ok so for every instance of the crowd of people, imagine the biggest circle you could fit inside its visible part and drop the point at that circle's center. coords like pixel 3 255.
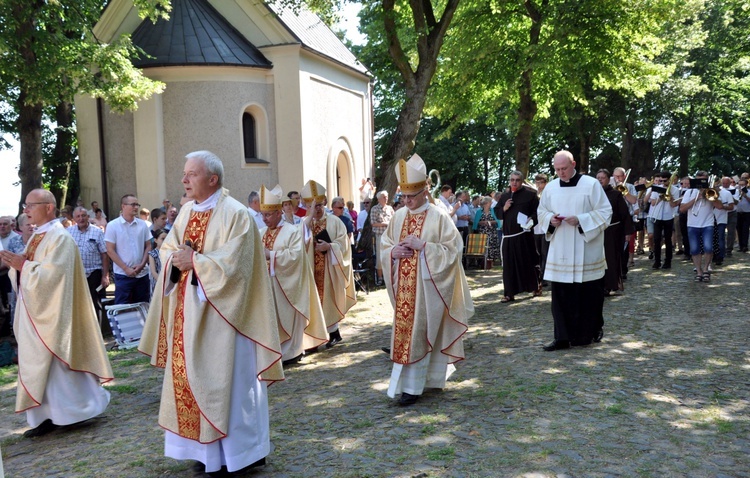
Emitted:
pixel 239 292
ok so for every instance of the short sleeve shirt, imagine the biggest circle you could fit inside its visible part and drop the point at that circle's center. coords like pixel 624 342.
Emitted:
pixel 91 244
pixel 130 240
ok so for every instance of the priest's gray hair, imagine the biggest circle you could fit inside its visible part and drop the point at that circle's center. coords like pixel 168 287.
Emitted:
pixel 211 161
pixel 518 173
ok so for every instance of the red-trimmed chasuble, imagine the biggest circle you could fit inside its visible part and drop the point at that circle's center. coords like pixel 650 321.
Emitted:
pixel 188 413
pixel 406 296
pixel 320 258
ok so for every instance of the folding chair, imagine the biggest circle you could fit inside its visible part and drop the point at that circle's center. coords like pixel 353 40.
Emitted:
pixel 476 248
pixel 127 321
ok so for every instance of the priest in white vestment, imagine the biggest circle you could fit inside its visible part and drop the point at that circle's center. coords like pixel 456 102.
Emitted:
pixel 61 357
pixel 421 257
pixel 212 327
pixel 330 255
pixel 300 316
pixel 574 212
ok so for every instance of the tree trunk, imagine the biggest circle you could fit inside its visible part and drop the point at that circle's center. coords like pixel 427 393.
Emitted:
pixel 527 107
pixel 63 156
pixel 430 35
pixel 627 142
pixel 30 135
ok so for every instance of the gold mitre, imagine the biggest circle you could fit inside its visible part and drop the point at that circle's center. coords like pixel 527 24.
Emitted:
pixel 313 191
pixel 412 174
pixel 270 200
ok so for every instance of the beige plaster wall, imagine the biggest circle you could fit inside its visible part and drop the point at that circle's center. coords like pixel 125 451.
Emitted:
pixel 335 118
pixel 202 115
pixel 119 150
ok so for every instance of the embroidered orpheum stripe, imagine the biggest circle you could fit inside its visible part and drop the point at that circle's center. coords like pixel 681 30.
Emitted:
pixel 406 296
pixel 188 413
pixel 320 259
pixel 33 244
pixel 269 239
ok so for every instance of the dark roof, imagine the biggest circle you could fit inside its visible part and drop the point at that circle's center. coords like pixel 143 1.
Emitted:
pixel 195 34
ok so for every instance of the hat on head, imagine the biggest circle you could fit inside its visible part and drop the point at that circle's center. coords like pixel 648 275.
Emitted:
pixel 412 174
pixel 270 200
pixel 313 191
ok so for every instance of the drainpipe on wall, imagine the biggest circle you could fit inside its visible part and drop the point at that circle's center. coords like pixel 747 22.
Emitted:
pixel 102 156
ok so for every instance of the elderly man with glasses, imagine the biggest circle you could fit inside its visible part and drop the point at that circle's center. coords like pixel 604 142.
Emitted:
pixel 128 242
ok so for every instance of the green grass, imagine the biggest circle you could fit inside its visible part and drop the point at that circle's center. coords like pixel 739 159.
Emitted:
pixel 446 453
pixel 122 388
pixel 616 409
pixel 364 424
pixel 8 374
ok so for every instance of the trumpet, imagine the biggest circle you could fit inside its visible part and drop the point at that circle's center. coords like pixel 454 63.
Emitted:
pixel 622 187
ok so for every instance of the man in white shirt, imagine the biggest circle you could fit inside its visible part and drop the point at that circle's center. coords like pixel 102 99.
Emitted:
pixel 722 218
pixel 700 220
pixel 743 214
pixel 661 214
pixel 128 242
pixel 253 207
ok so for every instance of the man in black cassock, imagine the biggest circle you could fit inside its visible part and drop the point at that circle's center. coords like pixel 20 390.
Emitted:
pixel 517 209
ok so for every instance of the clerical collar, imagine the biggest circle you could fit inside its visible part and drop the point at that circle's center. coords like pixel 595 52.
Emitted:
pixel 573 182
pixel 46 227
pixel 421 208
pixel 209 203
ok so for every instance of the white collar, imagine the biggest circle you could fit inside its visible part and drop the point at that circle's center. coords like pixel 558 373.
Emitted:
pixel 421 208
pixel 209 203
pixel 47 227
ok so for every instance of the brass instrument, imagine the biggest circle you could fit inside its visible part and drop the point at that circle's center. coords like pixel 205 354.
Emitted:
pixel 435 191
pixel 648 184
pixel 710 194
pixel 622 187
pixel 530 185
pixel 667 196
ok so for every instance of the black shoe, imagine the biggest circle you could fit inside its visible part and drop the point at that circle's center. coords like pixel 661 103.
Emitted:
pixel 651 255
pixel 719 263
pixel 311 351
pixel 45 427
pixel 407 399
pixel 657 265
pixel 556 345
pixel 335 338
pixel 293 360
pixel 199 467
pixel 666 265
pixel 599 335
pixel 624 277
pixel 386 350
pixel 545 283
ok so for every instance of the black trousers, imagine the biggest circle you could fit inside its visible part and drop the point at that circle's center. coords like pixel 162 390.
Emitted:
pixel 663 231
pixel 578 310
pixel 94 280
pixel 743 229
pixel 684 231
pixel 464 230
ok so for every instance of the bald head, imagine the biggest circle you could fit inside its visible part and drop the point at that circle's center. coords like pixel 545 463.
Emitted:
pixel 40 206
pixel 564 165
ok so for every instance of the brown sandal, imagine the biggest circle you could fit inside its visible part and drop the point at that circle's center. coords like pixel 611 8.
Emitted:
pixel 507 299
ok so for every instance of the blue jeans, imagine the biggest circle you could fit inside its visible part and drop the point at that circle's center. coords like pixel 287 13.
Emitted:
pixel 701 236
pixel 131 290
pixel 722 231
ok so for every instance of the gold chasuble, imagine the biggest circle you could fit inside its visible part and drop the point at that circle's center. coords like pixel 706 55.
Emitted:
pixel 428 291
pixel 55 317
pixel 334 276
pixel 192 334
pixel 293 285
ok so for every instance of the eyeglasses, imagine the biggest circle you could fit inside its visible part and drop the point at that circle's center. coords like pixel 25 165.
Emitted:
pixel 338 207
pixel 134 204
pixel 412 196
pixel 29 204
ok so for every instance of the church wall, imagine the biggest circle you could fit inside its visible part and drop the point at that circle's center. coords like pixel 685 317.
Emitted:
pixel 119 150
pixel 203 115
pixel 335 112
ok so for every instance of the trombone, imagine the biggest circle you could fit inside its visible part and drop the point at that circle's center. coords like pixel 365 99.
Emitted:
pixel 622 187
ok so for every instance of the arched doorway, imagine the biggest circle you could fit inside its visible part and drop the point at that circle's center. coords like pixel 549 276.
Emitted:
pixel 343 177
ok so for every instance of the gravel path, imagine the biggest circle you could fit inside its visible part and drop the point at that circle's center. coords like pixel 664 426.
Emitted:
pixel 664 394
